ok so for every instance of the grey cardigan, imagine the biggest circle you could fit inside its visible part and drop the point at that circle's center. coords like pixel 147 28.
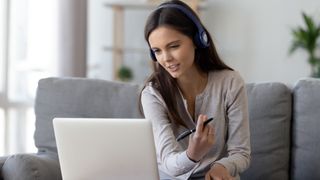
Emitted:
pixel 223 98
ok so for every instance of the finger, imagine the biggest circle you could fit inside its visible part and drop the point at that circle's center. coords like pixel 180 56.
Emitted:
pixel 227 177
pixel 207 177
pixel 206 130
pixel 211 130
pixel 210 136
pixel 200 122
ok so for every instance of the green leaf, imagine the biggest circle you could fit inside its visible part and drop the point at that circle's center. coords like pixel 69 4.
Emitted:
pixel 295 46
pixel 306 38
pixel 125 73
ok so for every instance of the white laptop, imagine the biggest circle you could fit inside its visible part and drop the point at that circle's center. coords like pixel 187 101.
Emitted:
pixel 100 149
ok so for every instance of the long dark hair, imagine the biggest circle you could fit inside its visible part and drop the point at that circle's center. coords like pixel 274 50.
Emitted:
pixel 206 59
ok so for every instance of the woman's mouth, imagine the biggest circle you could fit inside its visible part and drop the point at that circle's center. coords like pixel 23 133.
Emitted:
pixel 173 67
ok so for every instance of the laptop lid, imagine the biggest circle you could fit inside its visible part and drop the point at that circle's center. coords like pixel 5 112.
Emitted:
pixel 105 149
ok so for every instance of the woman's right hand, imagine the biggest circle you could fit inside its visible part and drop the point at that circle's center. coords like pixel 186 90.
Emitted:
pixel 201 141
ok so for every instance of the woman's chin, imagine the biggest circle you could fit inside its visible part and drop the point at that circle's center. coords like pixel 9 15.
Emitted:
pixel 175 75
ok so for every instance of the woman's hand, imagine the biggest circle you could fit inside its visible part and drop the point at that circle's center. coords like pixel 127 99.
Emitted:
pixel 218 172
pixel 201 141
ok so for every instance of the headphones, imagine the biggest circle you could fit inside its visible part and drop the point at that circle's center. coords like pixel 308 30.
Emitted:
pixel 201 38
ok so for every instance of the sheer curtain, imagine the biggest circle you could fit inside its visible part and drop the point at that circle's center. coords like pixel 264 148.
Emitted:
pixel 40 39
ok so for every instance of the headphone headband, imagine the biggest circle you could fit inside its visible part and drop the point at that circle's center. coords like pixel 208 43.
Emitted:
pixel 201 39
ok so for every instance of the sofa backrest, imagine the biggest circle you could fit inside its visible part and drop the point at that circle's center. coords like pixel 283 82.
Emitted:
pixel 270 113
pixel 80 97
pixel 270 117
pixel 305 162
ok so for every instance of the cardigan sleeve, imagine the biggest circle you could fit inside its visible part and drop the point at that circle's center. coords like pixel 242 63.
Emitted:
pixel 172 159
pixel 238 136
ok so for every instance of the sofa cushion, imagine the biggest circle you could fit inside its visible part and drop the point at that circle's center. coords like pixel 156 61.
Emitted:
pixel 270 116
pixel 305 162
pixel 80 97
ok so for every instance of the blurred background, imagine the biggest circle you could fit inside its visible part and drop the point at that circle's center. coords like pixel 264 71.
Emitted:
pixel 104 39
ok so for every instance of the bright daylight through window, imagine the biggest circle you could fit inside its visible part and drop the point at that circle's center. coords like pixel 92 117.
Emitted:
pixel 2 74
pixel 27 54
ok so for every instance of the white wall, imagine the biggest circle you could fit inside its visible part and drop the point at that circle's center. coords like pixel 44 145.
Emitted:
pixel 252 36
pixel 99 64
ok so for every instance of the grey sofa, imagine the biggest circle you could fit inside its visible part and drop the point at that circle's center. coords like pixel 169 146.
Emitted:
pixel 284 125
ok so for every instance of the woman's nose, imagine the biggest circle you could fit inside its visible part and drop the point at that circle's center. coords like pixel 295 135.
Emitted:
pixel 167 56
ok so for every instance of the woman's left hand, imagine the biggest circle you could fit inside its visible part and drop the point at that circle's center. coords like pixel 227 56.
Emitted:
pixel 218 172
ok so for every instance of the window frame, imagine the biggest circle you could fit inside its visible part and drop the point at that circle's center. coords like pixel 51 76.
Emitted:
pixel 4 58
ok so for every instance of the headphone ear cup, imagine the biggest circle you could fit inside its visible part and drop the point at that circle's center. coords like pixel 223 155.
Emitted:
pixel 201 40
pixel 152 55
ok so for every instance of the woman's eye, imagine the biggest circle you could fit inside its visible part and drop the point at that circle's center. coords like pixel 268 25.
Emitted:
pixel 174 46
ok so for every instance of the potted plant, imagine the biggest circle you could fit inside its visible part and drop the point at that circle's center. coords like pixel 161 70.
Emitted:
pixel 306 38
pixel 125 73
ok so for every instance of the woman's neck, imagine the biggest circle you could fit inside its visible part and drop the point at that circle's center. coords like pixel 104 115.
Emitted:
pixel 193 84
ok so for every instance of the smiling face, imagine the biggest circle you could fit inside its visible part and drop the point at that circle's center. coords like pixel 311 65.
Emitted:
pixel 174 51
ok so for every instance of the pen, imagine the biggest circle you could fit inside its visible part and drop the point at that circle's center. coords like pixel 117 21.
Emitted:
pixel 188 132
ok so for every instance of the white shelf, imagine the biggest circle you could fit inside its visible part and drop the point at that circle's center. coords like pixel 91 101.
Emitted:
pixel 126 49
pixel 146 4
pixel 131 5
pixel 118 7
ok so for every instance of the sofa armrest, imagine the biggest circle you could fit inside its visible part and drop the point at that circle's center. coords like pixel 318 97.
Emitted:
pixel 31 167
pixel 2 160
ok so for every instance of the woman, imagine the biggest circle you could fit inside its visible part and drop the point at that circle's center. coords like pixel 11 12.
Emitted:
pixel 189 84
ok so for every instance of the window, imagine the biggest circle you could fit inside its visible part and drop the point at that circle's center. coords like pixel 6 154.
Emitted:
pixel 27 53
pixel 3 43
pixel 19 98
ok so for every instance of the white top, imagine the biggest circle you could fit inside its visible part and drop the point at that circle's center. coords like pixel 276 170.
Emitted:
pixel 223 98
